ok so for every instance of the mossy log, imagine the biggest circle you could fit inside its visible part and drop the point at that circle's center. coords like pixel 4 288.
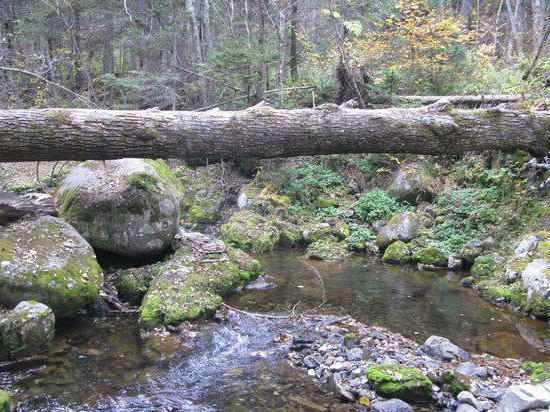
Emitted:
pixel 264 132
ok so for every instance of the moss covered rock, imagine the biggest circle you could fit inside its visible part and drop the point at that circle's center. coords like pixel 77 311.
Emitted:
pixel 403 226
pixel 398 253
pixel 132 284
pixel 130 207
pixel 290 234
pixel 326 250
pixel 26 330
pixel 314 232
pixel 413 183
pixel 393 381
pixel 192 283
pixel 431 256
pixel 247 230
pixel 45 259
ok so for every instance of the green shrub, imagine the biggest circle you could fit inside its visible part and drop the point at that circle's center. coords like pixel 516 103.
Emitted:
pixel 376 205
pixel 359 236
pixel 539 371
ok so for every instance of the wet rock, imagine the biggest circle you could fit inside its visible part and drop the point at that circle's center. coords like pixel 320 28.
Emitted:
pixel 466 398
pixel 535 278
pixel 317 231
pixel 45 259
pixel 393 381
pixel 454 262
pixel 130 207
pixel 336 384
pixel 355 354
pixel 397 253
pixel 340 230
pixel 413 183
pixel 442 348
pixel 250 231
pixel 526 245
pixel 326 250
pixel 26 330
pixel 391 405
pixel 132 284
pixel 191 284
pixel 260 284
pixel 403 226
pixel 465 408
pixel 471 369
pixel 482 390
pixel 520 398
pixel 471 251
pixel 468 282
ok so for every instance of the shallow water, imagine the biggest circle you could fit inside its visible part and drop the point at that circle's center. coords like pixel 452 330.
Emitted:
pixel 415 304
pixel 103 364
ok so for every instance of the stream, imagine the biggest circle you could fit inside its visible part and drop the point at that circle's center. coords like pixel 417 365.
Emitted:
pixel 99 363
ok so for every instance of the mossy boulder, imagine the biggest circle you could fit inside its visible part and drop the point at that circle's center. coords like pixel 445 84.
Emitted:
pixel 192 283
pixel 431 256
pixel 250 231
pixel 413 184
pixel 397 253
pixel 340 230
pixel 403 226
pixel 393 381
pixel 314 232
pixel 262 201
pixel 326 250
pixel 130 207
pixel 132 284
pixel 45 259
pixel 5 401
pixel 26 330
pixel 290 234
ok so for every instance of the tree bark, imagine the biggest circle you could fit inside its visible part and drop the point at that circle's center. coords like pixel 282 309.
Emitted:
pixel 261 87
pixel 293 62
pixel 190 10
pixel 282 45
pixel 78 134
pixel 468 99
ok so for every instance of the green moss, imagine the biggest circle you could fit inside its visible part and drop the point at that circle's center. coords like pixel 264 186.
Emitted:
pixel 484 265
pixel 326 250
pixel 169 177
pixel 5 401
pixel 431 256
pixel 60 117
pixel 189 287
pixel 393 381
pixel 398 253
pixel 249 231
pixel 143 181
pixel 132 284
pixel 539 371
pixel 453 383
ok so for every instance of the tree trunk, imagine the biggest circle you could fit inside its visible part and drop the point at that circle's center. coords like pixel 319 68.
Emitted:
pixel 294 41
pixel 468 99
pixel 206 28
pixel 263 132
pixel 261 87
pixel 190 10
pixel 538 22
pixel 282 45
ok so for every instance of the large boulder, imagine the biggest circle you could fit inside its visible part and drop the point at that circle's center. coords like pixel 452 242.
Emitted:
pixel 45 259
pixel 536 278
pixel 192 283
pixel 247 230
pixel 525 397
pixel 403 226
pixel 129 207
pixel 314 232
pixel 442 348
pixel 26 330
pixel 431 256
pixel 393 381
pixel 391 405
pixel 413 183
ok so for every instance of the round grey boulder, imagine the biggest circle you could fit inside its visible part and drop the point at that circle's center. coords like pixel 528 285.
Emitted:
pixel 45 259
pixel 442 348
pixel 403 226
pixel 391 405
pixel 130 207
pixel 413 184
pixel 26 330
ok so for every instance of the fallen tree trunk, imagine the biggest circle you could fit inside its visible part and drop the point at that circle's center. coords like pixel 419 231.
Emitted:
pixel 468 100
pixel 263 132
